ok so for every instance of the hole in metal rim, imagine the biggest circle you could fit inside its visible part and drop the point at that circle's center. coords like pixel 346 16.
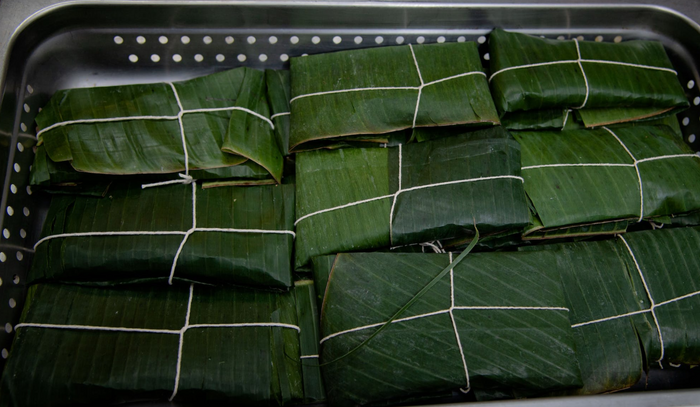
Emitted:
pixel 12 303
pixel 185 39
pixel 10 211
pixel 29 190
pixel 23 127
pixel 617 39
pixel 696 101
pixel 686 121
pixel 480 40
pixel 30 89
pixel 580 38
pixel 15 279
pixel 379 39
pixel 17 168
pixel 13 188
pixel 19 255
pixel 420 39
pixel 8 328
pixel 241 58
pixel 177 57
pixel 262 57
pixel 284 57
pixel 27 108
pixel 337 40
pixel 4 353
pixel 691 138
pixel 691 83
pixel 207 40
pixel 399 40
pixel 3 258
pixel 155 58
pixel 20 148
pixel 462 38
pixel 220 57
pixel 294 39
pixel 25 211
pixel 251 40
pixel 118 40
pixel 133 58
pixel 163 39
pixel 440 39
pixel 22 233
pixel 599 38
pixel 358 40
pixel 199 57
pixel 141 39
pixel 315 39
pixel 561 38
pixel 272 39
pixel 229 40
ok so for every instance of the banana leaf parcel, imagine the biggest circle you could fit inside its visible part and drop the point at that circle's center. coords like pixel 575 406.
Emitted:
pixel 634 303
pixel 372 198
pixel 345 95
pixel 536 82
pixel 216 126
pixel 497 320
pixel 606 177
pixel 84 345
pixel 233 235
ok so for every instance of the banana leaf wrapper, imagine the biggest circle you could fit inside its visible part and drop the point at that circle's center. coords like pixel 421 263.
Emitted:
pixel 587 177
pixel 423 211
pixel 278 96
pixel 620 83
pixel 217 140
pixel 343 94
pixel 615 332
pixel 222 359
pixel 308 315
pixel 420 353
pixel 210 254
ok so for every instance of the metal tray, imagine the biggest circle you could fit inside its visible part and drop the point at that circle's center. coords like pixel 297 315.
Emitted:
pixel 96 43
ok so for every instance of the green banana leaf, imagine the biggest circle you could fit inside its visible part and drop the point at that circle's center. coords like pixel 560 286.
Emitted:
pixel 603 283
pixel 215 139
pixel 327 180
pixel 307 313
pixel 240 364
pixel 621 88
pixel 243 256
pixel 528 349
pixel 564 193
pixel 278 96
pixel 448 88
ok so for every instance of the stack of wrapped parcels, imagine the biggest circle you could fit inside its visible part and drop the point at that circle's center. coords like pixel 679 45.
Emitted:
pixel 444 229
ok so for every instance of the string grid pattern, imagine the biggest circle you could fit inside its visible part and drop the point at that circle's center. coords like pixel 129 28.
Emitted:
pixel 185 235
pixel 180 332
pixel 579 61
pixel 185 178
pixel 635 165
pixel 652 307
pixel 450 312
pixel 401 190
pixel 419 88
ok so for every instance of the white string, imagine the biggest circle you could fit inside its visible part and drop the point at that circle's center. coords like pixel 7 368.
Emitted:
pixel 180 343
pixel 185 178
pixel 639 176
pixel 580 60
pixel 376 88
pixel 185 235
pixel 651 300
pixel 308 357
pixel 566 118
pixel 583 72
pixel 180 332
pixel 274 116
pixel 454 327
pixel 635 164
pixel 400 190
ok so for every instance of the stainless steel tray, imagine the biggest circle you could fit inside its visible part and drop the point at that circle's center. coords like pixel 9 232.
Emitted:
pixel 97 43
